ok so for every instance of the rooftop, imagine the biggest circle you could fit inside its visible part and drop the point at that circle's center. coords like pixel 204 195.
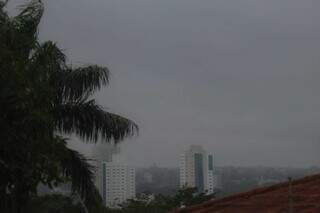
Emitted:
pixel 303 198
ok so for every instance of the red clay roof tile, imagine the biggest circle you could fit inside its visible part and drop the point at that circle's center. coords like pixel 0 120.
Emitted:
pixel 305 198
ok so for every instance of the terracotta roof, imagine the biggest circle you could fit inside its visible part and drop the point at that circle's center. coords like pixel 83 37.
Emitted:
pixel 305 198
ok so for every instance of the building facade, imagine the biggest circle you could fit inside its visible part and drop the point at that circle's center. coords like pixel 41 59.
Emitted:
pixel 118 183
pixel 197 169
pixel 103 153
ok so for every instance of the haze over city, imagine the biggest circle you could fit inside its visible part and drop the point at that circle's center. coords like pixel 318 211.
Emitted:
pixel 240 78
pixel 159 106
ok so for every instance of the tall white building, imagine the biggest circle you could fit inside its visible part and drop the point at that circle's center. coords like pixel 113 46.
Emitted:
pixel 118 183
pixel 196 169
pixel 103 153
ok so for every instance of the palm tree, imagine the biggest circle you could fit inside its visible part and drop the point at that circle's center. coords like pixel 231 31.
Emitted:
pixel 42 98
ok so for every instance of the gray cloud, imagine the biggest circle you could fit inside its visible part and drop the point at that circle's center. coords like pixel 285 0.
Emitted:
pixel 239 77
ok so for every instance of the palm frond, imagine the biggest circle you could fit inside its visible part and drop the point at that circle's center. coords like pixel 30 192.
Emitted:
pixel 89 121
pixel 47 57
pixel 29 17
pixel 83 81
pixel 81 173
pixel 3 4
pixel 48 52
pixel 76 167
pixel 26 24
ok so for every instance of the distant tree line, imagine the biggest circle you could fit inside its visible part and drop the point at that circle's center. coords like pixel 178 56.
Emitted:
pixel 142 204
pixel 162 204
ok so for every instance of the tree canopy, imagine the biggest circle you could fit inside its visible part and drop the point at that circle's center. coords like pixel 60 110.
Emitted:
pixel 144 203
pixel 43 99
pixel 159 203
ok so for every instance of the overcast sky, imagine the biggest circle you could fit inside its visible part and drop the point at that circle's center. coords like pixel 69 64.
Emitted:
pixel 240 77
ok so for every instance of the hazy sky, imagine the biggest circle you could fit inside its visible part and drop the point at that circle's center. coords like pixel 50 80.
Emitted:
pixel 240 77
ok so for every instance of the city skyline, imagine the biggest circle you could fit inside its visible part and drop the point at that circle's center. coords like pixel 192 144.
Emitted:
pixel 159 106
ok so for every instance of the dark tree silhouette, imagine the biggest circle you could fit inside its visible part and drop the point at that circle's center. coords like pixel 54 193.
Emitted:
pixel 42 98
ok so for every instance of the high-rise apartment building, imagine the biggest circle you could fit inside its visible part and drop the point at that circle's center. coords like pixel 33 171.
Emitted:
pixel 103 153
pixel 118 183
pixel 114 179
pixel 197 169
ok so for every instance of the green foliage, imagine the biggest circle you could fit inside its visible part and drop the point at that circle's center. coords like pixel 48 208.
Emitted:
pixel 53 204
pixel 162 204
pixel 58 203
pixel 142 204
pixel 41 99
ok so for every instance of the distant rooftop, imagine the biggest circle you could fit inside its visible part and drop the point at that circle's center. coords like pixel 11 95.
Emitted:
pixel 304 198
